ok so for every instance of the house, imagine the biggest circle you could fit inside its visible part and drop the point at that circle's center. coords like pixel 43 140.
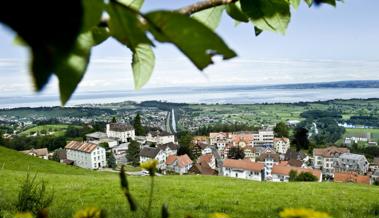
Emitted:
pixel 148 153
pixel 95 136
pixel 86 155
pixel 294 155
pixel 243 169
pixel 160 137
pixel 169 148
pixel 208 159
pixel 40 152
pixel 205 165
pixel 375 176
pixel 111 142
pixel 351 162
pixel 269 158
pixel 282 173
pixel 120 152
pixel 250 153
pixel 219 139
pixel 179 164
pixel 281 145
pixel 263 137
pixel 242 139
pixel 324 158
pixel 121 131
pixel 351 177
pixel 374 164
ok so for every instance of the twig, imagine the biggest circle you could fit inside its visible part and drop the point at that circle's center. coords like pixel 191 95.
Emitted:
pixel 203 5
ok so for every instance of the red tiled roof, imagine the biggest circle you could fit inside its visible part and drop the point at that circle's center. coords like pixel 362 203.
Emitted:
pixel 205 158
pixel 81 146
pixel 184 160
pixel 351 177
pixel 243 164
pixel 170 159
pixel 285 170
pixel 330 151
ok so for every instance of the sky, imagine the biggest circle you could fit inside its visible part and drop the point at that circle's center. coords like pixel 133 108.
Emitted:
pixel 321 44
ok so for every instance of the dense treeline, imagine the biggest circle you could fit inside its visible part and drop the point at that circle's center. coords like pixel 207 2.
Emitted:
pixel 318 114
pixel 370 151
pixel 223 127
pixel 364 120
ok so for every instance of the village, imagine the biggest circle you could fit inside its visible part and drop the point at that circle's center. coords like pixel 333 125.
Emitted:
pixel 252 155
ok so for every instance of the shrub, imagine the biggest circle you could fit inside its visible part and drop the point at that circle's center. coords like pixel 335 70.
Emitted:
pixel 306 177
pixel 33 196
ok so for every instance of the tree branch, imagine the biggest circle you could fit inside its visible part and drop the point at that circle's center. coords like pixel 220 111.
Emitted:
pixel 203 5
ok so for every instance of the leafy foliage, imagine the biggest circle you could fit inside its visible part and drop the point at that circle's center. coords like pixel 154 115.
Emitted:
pixel 236 152
pixel 139 129
pixel 133 153
pixel 281 130
pixel 62 44
pixel 300 139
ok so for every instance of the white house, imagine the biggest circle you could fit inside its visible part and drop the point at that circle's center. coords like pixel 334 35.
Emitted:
pixel 41 153
pixel 169 148
pixel 160 137
pixel 264 137
pixel 121 131
pixel 351 162
pixel 148 153
pixel 179 164
pixel 269 158
pixel 219 139
pixel 208 159
pixel 281 145
pixel 324 158
pixel 243 169
pixel 86 155
pixel 282 173
pixel 119 153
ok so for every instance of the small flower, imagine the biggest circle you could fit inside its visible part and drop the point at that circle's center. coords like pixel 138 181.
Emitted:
pixel 302 213
pixel 90 212
pixel 150 165
pixel 219 215
pixel 24 215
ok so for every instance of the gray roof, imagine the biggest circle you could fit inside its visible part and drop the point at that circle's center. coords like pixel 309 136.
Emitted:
pixel 149 152
pixel 171 145
pixel 98 135
pixel 120 127
pixel 376 173
pixel 159 133
pixel 352 156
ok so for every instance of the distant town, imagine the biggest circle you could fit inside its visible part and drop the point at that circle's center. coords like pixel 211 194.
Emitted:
pixel 290 150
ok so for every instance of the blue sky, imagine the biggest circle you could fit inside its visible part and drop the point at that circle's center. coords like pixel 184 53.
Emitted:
pixel 321 44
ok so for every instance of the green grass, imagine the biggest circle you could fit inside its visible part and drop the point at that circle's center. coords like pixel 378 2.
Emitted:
pixel 56 129
pixel 195 195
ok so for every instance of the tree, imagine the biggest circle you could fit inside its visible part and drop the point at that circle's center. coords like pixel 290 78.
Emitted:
pixel 236 153
pixel 2 140
pixel 185 149
pixel 293 175
pixel 300 139
pixel 111 160
pixel 64 49
pixel 305 177
pixel 133 153
pixel 140 130
pixel 56 154
pixel 281 130
pixel 185 138
pixel 114 120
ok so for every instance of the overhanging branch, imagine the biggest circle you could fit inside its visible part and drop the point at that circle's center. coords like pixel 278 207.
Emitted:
pixel 203 5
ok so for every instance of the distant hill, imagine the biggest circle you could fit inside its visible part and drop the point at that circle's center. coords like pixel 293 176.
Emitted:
pixel 338 84
pixel 185 195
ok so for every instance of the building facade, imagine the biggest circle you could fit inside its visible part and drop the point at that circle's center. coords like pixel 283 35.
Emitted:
pixel 86 155
pixel 121 131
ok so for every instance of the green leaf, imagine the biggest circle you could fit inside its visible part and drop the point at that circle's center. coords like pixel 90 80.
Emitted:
pixel 257 31
pixel 125 26
pixel 269 15
pixel 142 64
pixel 235 12
pixel 71 71
pixel 135 4
pixel 329 2
pixel 194 39
pixel 93 9
pixel 50 28
pixel 210 17
pixel 309 2
pixel 295 4
pixel 100 34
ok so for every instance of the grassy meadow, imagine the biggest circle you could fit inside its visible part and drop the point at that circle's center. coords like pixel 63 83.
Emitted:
pixel 185 195
pixel 55 129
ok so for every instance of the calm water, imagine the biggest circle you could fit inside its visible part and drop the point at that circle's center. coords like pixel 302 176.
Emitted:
pixel 234 95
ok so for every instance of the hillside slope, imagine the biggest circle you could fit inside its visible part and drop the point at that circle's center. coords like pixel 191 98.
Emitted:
pixel 195 195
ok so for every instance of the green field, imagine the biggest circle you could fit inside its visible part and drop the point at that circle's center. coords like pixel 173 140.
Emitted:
pixel 56 130
pixel 196 195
